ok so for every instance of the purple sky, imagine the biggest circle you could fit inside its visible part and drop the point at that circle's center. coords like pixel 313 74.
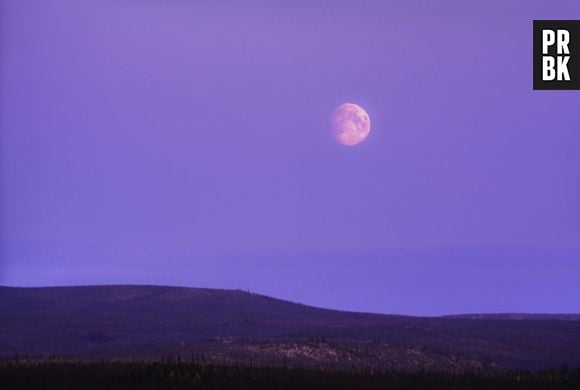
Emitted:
pixel 187 143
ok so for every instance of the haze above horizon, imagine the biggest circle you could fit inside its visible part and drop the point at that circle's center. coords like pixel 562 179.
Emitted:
pixel 189 144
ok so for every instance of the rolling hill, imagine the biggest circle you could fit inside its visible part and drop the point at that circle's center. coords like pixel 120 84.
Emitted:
pixel 226 326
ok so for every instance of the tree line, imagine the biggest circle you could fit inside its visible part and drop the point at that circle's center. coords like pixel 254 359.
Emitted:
pixel 176 374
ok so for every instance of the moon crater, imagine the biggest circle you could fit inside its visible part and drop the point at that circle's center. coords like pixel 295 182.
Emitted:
pixel 350 124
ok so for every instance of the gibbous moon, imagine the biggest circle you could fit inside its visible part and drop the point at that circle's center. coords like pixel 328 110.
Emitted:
pixel 350 124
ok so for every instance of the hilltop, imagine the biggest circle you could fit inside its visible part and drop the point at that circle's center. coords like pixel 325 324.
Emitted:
pixel 227 326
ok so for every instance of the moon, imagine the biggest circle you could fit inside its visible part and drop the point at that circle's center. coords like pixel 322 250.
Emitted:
pixel 350 124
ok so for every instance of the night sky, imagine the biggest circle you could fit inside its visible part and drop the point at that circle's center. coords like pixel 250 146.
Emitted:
pixel 188 143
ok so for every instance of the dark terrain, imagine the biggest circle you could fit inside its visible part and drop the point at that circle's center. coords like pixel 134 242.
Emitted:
pixel 221 326
pixel 194 375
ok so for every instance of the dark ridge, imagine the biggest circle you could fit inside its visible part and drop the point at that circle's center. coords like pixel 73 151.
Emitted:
pixel 227 326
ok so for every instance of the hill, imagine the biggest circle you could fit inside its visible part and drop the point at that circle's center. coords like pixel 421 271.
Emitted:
pixel 223 326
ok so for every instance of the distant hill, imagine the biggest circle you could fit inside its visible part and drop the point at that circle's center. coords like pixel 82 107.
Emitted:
pixel 148 322
pixel 517 316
